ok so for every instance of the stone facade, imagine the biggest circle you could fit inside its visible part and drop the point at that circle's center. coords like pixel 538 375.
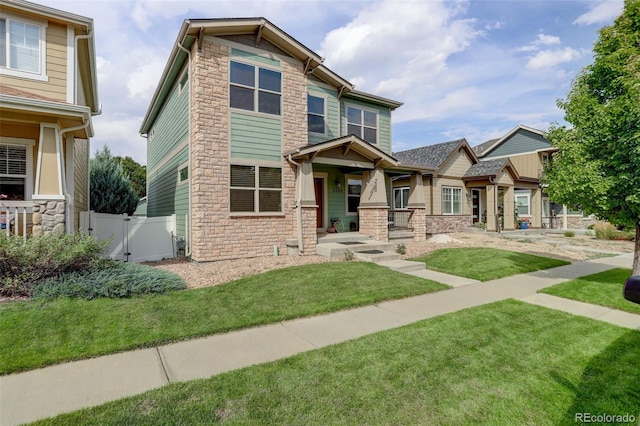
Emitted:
pixel 216 234
pixel 443 224
pixel 48 217
pixel 579 222
pixel 418 224
pixel 374 221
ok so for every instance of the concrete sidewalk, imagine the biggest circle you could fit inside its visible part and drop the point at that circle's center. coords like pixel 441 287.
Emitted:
pixel 66 387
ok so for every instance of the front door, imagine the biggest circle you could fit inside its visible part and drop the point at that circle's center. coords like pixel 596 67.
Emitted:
pixel 475 205
pixel 318 186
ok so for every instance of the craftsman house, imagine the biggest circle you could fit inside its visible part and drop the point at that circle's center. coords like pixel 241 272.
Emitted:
pixel 48 95
pixel 257 147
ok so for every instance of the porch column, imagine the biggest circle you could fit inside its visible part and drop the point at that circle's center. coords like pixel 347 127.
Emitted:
pixel 492 208
pixel 49 195
pixel 374 210
pixel 509 209
pixel 418 207
pixel 306 210
pixel 536 208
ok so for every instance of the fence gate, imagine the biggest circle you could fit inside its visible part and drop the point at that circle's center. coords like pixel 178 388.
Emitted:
pixel 133 239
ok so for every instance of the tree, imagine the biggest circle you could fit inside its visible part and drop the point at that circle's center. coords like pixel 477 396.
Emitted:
pixel 136 172
pixel 598 164
pixel 110 188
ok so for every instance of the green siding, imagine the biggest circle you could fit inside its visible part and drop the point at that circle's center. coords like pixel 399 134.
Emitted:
pixel 521 142
pixel 239 54
pixel 337 201
pixel 165 196
pixel 332 119
pixel 384 121
pixel 170 127
pixel 255 137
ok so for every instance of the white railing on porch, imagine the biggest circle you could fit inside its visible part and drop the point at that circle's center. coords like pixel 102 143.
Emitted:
pixel 13 216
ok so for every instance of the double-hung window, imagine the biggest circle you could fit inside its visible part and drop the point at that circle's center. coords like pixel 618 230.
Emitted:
pixel 13 172
pixel 362 123
pixel 21 48
pixel 254 88
pixel 255 189
pixel 523 204
pixel 400 198
pixel 451 200
pixel 315 114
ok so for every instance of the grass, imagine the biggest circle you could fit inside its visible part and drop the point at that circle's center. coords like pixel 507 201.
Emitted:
pixel 504 363
pixel 486 264
pixel 38 333
pixel 604 289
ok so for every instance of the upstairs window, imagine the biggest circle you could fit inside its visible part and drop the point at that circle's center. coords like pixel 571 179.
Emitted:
pixel 253 88
pixel 21 48
pixel 315 114
pixel 362 123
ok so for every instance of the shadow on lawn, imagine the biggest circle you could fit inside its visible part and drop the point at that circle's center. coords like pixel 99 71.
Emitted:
pixel 610 384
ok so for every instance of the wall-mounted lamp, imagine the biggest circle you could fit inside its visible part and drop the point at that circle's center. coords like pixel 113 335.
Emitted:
pixel 338 184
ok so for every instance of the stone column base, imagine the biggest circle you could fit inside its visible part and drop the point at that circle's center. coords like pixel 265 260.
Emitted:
pixel 48 217
pixel 374 221
pixel 309 234
pixel 418 224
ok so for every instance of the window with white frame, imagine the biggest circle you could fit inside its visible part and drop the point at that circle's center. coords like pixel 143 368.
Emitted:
pixel 255 189
pixel 451 200
pixel 354 190
pixel 316 114
pixel 13 172
pixel 362 123
pixel 400 198
pixel 523 204
pixel 183 174
pixel 21 48
pixel 254 88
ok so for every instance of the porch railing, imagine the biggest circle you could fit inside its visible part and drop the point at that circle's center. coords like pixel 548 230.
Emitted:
pixel 399 219
pixel 13 217
pixel 551 222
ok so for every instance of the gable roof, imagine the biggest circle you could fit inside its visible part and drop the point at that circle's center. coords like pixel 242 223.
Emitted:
pixel 487 147
pixel 491 168
pixel 434 156
pixel 193 30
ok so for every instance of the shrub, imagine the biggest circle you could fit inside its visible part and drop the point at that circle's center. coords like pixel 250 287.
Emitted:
pixel 24 263
pixel 401 249
pixel 479 225
pixel 109 278
pixel 589 233
pixel 569 234
pixel 607 231
pixel 348 255
pixel 111 189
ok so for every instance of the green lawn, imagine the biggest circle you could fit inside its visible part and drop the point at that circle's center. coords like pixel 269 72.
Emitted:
pixel 604 289
pixel 38 333
pixel 485 264
pixel 506 363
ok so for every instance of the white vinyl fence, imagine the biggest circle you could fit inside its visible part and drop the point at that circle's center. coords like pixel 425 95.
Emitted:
pixel 134 239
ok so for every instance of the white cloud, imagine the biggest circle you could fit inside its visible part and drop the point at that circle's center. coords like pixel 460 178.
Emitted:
pixel 541 40
pixel 120 134
pixel 143 80
pixel 550 58
pixel 601 12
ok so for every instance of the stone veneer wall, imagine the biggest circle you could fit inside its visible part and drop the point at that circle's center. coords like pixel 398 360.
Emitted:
pixel 374 221
pixel 215 233
pixel 418 224
pixel 48 217
pixel 443 224
pixel 578 222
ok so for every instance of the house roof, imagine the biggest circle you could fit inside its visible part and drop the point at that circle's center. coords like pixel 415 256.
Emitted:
pixel 486 168
pixel 485 148
pixel 434 156
pixel 193 30
pixel 19 93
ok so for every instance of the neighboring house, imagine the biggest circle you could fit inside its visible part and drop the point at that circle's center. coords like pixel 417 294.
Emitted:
pixel 256 146
pixel 48 95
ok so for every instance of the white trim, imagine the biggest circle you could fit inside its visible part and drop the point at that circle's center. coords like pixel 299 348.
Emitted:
pixel 346 192
pixel 348 105
pixel 520 193
pixel 71 65
pixel 28 180
pixel 479 190
pixel 256 190
pixel 181 84
pixel 393 197
pixel 41 75
pixel 325 197
pixel 256 88
pixel 70 205
pixel 453 212
pixel 60 166
pixel 324 97
pixel 249 49
pixel 341 162
pixel 181 167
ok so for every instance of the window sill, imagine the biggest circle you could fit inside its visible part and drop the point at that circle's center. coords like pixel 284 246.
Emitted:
pixel 24 74
pixel 250 214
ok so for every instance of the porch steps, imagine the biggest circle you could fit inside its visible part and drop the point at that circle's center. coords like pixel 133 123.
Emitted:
pixel 376 256
pixel 403 265
pixel 336 250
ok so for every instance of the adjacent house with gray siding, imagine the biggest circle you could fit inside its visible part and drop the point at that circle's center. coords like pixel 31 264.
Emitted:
pixel 257 147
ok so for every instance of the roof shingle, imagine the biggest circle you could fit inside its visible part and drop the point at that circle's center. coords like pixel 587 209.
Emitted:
pixel 430 155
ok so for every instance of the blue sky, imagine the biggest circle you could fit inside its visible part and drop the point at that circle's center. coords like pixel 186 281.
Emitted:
pixel 472 69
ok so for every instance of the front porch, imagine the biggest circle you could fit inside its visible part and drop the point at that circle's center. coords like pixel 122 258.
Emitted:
pixel 344 186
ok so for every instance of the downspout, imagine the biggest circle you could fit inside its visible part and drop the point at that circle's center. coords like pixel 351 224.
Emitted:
pixel 67 196
pixel 298 201
pixel 188 224
pixel 495 203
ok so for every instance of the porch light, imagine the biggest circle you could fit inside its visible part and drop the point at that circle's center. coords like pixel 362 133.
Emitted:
pixel 338 184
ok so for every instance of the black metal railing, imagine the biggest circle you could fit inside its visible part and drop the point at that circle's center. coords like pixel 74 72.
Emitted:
pixel 399 219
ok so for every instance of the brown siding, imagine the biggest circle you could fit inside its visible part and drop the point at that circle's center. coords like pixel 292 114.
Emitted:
pixel 456 166
pixel 80 178
pixel 528 165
